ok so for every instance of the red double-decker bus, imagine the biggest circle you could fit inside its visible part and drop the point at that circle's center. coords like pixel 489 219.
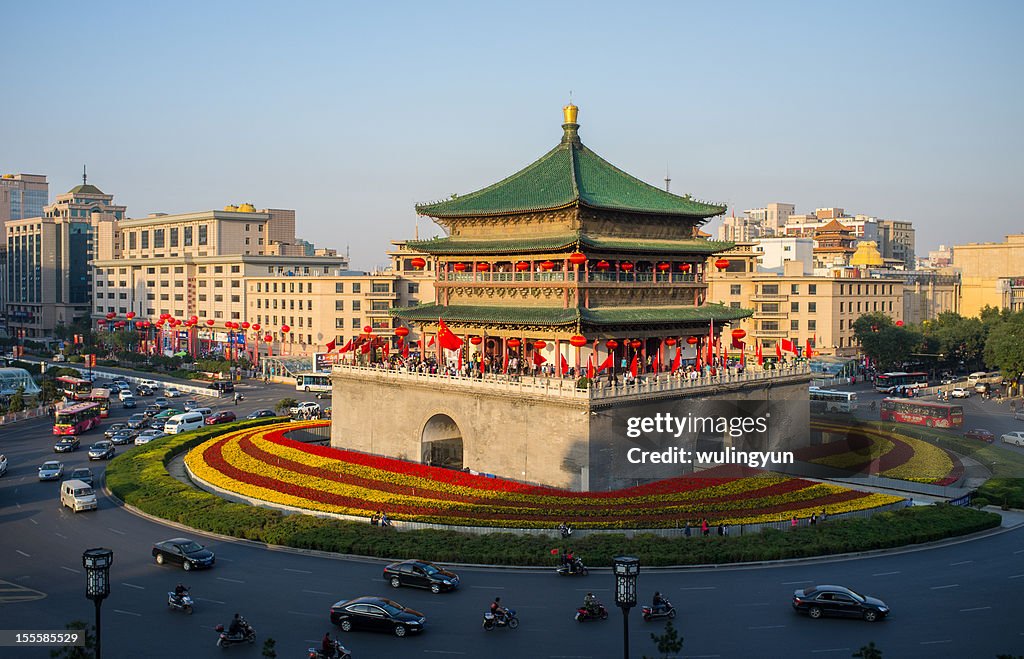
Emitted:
pixel 101 397
pixel 933 415
pixel 77 418
pixel 74 388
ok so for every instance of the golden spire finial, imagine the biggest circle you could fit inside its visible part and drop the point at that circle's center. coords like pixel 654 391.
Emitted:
pixel 569 112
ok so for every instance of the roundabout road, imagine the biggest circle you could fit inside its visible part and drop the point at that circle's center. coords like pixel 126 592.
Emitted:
pixel 959 600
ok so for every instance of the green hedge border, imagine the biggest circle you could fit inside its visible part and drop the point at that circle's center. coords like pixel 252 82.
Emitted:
pixel 140 478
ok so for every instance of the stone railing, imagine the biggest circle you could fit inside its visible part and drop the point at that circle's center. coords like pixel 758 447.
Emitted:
pixel 645 386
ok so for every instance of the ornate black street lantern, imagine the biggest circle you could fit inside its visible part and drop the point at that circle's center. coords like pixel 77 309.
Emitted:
pixel 627 570
pixel 97 581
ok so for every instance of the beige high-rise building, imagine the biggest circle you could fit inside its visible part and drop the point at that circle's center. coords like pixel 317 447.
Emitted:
pixel 984 270
pixel 772 218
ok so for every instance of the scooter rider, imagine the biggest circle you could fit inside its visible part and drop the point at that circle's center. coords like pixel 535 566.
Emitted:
pixel 327 646
pixel 659 603
pixel 590 603
pixel 237 625
pixel 180 591
pixel 498 610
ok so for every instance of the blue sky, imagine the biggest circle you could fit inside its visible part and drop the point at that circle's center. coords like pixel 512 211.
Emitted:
pixel 351 113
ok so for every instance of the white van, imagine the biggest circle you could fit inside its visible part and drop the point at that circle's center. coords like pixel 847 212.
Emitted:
pixel 205 411
pixel 974 378
pixel 77 495
pixel 184 422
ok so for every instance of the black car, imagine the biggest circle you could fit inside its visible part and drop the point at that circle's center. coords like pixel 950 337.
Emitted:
pixel 260 414
pixel 182 551
pixel 376 614
pixel 136 421
pixel 222 386
pixel 113 429
pixel 83 474
pixel 102 450
pixel 123 436
pixel 420 574
pixel 144 390
pixel 66 444
pixel 129 403
pixel 152 410
pixel 838 601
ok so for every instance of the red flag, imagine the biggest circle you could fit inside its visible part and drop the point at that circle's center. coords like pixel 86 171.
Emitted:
pixel 743 355
pixel 760 355
pixel 608 362
pixel 591 371
pixel 656 363
pixel 446 337
pixel 405 349
pixel 565 365
pixel 460 361
pixel 483 364
pixel 808 352
pixel 430 344
pixel 554 552
pixel 331 345
pixel 365 348
pixel 538 358
pixel 634 365
pixel 788 346
pixel 778 350
pixel 678 361
pixel 725 355
pixel 504 368
pixel 384 348
pixel 345 348
pixel 711 341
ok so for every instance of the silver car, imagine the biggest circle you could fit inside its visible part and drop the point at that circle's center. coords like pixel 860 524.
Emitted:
pixel 51 470
pixel 1016 438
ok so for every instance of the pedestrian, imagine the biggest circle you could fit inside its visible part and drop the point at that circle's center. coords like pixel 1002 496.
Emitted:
pixel 814 519
pixel 721 529
pixel 793 522
pixel 823 514
pixel 686 531
pixel 374 519
pixel 704 529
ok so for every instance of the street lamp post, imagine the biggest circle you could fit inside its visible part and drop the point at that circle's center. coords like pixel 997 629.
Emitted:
pixel 627 569
pixel 97 581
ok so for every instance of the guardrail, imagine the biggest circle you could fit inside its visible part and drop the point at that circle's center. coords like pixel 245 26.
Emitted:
pixel 184 388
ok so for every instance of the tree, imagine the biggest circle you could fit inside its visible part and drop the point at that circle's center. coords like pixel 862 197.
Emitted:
pixel 85 651
pixel 17 403
pixel 285 404
pixel 670 643
pixel 868 651
pixel 1004 348
pixel 268 648
pixel 960 340
pixel 886 343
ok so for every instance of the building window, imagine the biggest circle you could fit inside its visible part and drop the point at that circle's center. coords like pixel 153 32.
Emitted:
pixel 174 236
pixel 236 268
pixel 794 325
pixel 339 287
pixel 339 305
pixel 812 307
pixel 812 289
pixel 769 289
pixel 236 298
pixel 812 325
pixel 145 240
pixel 187 236
pixel 235 283
pixel 357 287
pixel 794 307
pixel 203 234
pixel 413 289
pixel 794 289
pixel 770 325
pixel 131 240
pixel 734 305
pixel 381 287
pixel 356 324
pixel 158 238
pixel 734 289
pixel 357 305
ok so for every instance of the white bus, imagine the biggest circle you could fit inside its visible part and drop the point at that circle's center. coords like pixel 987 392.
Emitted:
pixel 833 401
pixel 320 382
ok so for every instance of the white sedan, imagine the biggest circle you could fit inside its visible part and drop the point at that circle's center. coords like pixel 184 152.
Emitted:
pixel 960 392
pixel 1016 438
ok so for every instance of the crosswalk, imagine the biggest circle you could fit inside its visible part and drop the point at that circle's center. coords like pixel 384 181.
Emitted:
pixel 12 592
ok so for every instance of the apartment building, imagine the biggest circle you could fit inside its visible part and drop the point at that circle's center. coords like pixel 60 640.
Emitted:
pixel 987 272
pixel 772 218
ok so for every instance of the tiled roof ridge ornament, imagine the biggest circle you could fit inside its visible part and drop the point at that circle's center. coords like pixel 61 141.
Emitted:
pixel 569 114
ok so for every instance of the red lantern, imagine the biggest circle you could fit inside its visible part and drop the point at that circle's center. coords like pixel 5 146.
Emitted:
pixel 546 265
pixel 738 334
pixel 419 263
pixel 255 327
pixel 459 267
pixel 612 344
pixel 670 341
pixel 111 315
pixel 165 316
pixel 635 344
pixel 130 315
pixel 692 340
pixel 514 343
pixel 402 331
pixel 602 265
pixel 483 267
pixel 476 340
pixel 685 267
pixel 578 341
pixel 626 265
pixel 268 338
pixel 722 264
pixel 285 329
pixel 209 322
pixel 138 324
pixel 577 258
pixel 522 266
pixel 101 322
pixel 245 324
pixel 899 323
pixel 194 320
pixel 664 266
pixel 539 345
pixel 367 329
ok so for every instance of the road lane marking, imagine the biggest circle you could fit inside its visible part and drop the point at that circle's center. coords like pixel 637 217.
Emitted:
pixel 960 563
pixel 755 604
pixel 116 531
pixel 442 652
pixel 60 535
pixel 203 599
pixel 699 588
pixel 33 521
pixel 952 585
pixel 128 613
pixel 793 583
pixel 948 640
pixel 885 574
pixel 230 580
pixel 302 613
pixel 316 592
pixel 12 592
pixel 489 587
pixel 767 627
pixel 131 585
pixel 976 608
pixel 1019 551
pixel 592 590
pixel 831 650
pixel 23 553
pixel 289 569
pixel 1016 576
pixel 18 505
pixel 70 569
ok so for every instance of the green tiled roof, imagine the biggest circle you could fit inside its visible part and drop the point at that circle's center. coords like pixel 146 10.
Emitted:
pixel 454 246
pixel 570 174
pixel 85 189
pixel 571 316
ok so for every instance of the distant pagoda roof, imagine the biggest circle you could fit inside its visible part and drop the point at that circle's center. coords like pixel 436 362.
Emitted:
pixel 85 188
pixel 571 316
pixel 456 247
pixel 567 175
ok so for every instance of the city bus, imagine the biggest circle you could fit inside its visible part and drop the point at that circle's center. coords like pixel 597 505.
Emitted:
pixel 887 383
pixel 933 415
pixel 313 382
pixel 76 418
pixel 101 397
pixel 74 388
pixel 832 401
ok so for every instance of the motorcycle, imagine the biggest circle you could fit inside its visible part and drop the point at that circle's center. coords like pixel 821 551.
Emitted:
pixel 508 620
pixel 183 603
pixel 565 530
pixel 247 635
pixel 582 614
pixel 667 611
pixel 340 652
pixel 578 569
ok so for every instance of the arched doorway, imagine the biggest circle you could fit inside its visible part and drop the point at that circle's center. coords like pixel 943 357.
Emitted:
pixel 441 440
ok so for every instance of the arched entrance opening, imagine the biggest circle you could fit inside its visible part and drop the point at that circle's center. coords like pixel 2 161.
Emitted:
pixel 441 442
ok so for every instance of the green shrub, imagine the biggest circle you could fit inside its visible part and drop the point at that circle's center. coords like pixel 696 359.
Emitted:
pixel 140 478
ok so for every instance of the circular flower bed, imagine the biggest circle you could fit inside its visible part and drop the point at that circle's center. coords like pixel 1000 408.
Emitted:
pixel 263 464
